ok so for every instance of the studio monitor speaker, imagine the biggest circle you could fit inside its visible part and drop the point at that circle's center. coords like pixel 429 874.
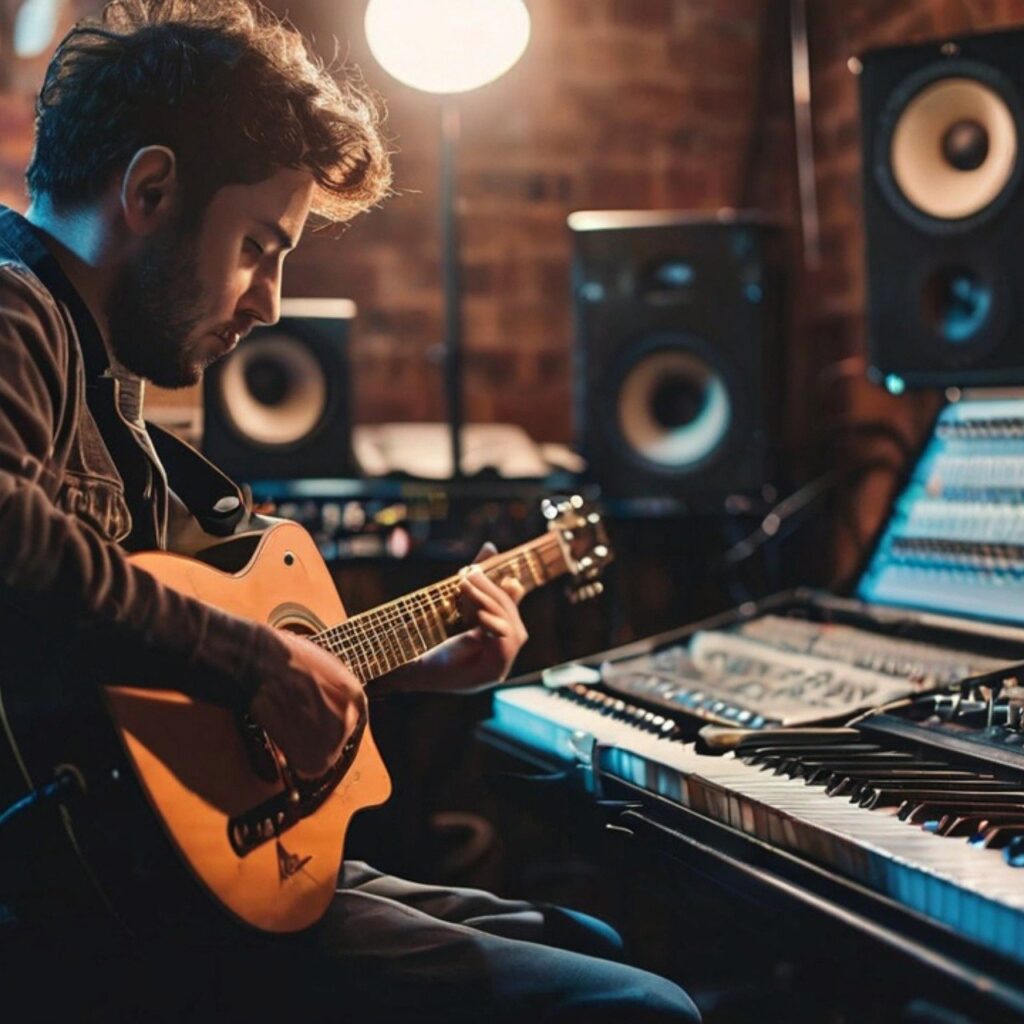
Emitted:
pixel 278 406
pixel 677 355
pixel 943 140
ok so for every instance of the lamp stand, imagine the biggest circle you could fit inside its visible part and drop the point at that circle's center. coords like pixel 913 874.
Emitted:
pixel 450 131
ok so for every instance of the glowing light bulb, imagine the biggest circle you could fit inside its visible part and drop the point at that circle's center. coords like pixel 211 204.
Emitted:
pixel 447 46
pixel 35 25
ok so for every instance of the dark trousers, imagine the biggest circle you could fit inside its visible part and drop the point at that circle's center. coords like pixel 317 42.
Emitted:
pixel 390 950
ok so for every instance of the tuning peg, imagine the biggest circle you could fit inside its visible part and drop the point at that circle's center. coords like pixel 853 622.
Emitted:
pixel 585 592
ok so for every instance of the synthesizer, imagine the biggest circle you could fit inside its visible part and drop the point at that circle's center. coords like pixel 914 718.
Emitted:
pixel 929 813
pixel 954 541
pixel 870 785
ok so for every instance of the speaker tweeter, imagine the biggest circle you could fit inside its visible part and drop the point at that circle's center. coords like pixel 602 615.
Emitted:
pixel 943 125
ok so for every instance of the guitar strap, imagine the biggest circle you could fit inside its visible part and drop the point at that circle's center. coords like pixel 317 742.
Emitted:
pixel 219 505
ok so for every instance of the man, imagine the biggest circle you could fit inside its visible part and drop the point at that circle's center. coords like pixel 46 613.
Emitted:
pixel 181 147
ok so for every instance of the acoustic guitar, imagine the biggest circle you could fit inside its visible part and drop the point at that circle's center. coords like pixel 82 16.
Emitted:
pixel 266 844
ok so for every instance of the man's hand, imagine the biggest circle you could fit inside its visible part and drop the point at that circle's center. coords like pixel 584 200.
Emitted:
pixel 311 709
pixel 482 655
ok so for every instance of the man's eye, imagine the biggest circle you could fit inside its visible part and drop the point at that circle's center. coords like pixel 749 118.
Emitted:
pixel 254 246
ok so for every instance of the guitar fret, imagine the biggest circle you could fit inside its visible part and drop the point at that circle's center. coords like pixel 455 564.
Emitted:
pixel 379 641
pixel 436 617
pixel 428 617
pixel 407 643
pixel 413 617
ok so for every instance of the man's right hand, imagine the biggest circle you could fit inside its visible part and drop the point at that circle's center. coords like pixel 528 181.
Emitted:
pixel 311 709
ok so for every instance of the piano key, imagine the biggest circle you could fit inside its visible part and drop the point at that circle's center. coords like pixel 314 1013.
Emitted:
pixel 916 812
pixel 826 774
pixel 962 887
pixel 853 786
pixel 892 794
pixel 976 891
pixel 995 837
pixel 959 824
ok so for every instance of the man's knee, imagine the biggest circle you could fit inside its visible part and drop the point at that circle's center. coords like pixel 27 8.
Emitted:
pixel 625 995
pixel 581 933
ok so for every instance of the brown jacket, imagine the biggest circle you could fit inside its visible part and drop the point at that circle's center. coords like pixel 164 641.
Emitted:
pixel 68 507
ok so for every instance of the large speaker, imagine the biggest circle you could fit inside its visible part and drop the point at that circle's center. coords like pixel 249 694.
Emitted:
pixel 942 129
pixel 277 408
pixel 677 354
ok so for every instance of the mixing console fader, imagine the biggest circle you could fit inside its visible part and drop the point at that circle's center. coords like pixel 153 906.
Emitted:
pixel 955 540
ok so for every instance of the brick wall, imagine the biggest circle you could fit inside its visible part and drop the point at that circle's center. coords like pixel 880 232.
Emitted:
pixel 829 335
pixel 616 103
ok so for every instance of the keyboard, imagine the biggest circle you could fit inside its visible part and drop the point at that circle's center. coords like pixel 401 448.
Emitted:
pixel 937 837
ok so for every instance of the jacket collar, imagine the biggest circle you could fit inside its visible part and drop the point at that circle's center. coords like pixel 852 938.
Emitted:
pixel 20 240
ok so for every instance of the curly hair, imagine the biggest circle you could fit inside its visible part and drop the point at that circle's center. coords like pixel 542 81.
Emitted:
pixel 232 89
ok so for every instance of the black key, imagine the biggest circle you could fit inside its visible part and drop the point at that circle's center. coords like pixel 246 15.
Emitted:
pixel 893 795
pixel 817 775
pixel 854 785
pixel 996 837
pixel 957 824
pixel 918 811
pixel 758 755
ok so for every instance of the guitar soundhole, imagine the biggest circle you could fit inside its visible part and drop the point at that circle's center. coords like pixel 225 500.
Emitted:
pixel 296 618
pixel 299 628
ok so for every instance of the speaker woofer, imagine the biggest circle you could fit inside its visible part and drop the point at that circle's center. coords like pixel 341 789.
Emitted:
pixel 672 409
pixel 949 155
pixel 273 392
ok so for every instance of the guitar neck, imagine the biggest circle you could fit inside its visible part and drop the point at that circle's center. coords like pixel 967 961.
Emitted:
pixel 385 638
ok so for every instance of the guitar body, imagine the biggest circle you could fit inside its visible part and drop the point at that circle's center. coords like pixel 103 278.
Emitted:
pixel 263 845
pixel 197 771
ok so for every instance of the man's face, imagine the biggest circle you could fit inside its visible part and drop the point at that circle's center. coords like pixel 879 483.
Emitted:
pixel 188 297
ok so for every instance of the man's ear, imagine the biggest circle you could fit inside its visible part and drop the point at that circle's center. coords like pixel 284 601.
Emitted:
pixel 149 189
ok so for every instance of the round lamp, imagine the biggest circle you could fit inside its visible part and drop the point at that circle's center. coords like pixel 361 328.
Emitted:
pixel 447 46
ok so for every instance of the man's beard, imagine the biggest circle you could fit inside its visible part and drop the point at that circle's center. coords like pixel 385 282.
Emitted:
pixel 153 309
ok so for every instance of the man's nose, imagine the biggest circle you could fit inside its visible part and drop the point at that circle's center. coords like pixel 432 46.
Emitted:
pixel 265 298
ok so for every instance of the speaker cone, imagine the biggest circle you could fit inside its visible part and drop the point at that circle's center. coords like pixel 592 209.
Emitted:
pixel 273 391
pixel 673 410
pixel 953 147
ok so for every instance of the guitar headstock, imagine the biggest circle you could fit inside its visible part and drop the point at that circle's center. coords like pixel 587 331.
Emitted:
pixel 583 540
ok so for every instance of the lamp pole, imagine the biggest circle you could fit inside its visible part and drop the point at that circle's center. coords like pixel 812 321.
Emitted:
pixel 448 47
pixel 450 131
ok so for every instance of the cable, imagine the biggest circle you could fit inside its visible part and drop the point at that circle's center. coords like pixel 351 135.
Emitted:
pixel 67 782
pixel 778 516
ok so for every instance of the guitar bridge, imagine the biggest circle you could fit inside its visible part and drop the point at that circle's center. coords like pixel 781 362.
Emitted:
pixel 262 759
pixel 272 818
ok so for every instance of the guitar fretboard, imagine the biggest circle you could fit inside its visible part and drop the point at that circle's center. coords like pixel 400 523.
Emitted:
pixel 385 638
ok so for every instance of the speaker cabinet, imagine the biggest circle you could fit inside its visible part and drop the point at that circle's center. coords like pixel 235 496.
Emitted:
pixel 277 408
pixel 677 354
pixel 942 129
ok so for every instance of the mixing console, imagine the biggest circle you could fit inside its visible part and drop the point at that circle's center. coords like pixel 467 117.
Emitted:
pixel 955 540
pixel 775 670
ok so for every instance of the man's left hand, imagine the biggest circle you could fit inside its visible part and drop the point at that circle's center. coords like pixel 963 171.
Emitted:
pixel 484 653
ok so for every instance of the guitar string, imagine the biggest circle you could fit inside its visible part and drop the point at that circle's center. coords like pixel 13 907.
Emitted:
pixel 394 611
pixel 407 614
pixel 412 612
pixel 362 634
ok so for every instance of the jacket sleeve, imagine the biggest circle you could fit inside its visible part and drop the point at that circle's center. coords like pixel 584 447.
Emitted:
pixel 57 570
